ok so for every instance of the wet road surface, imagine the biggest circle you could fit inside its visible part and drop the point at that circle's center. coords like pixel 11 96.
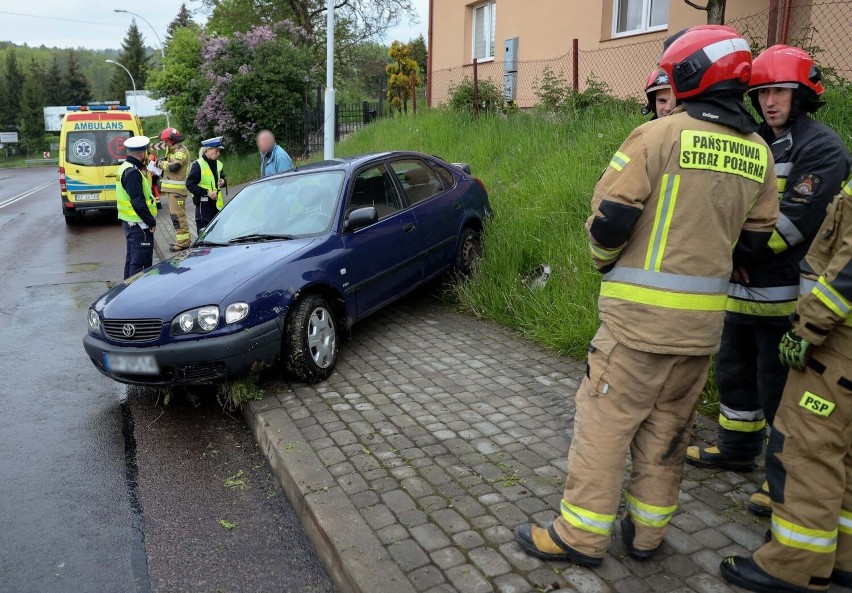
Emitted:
pixel 101 487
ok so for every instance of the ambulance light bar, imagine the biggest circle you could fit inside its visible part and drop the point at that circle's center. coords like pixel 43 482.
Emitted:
pixel 97 108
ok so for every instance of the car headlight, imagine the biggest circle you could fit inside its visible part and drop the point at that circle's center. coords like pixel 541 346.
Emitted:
pixel 236 312
pixel 94 322
pixel 196 321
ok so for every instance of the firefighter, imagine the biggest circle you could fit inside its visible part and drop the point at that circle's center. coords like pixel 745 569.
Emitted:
pixel 661 99
pixel 811 162
pixel 678 193
pixel 137 208
pixel 175 166
pixel 205 181
pixel 809 456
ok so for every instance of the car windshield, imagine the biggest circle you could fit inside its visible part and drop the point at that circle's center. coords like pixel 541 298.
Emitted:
pixel 96 148
pixel 279 209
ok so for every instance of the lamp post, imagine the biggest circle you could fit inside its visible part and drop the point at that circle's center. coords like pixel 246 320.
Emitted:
pixel 328 138
pixel 160 41
pixel 133 82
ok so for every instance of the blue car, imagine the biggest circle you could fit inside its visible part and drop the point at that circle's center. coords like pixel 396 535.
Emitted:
pixel 287 265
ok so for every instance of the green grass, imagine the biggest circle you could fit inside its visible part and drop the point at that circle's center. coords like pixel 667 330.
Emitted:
pixel 540 171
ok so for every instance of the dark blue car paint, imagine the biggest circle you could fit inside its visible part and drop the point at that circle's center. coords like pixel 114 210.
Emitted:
pixel 359 271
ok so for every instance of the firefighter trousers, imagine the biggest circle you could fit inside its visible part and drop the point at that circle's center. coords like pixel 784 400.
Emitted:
pixel 751 380
pixel 632 400
pixel 809 470
pixel 177 210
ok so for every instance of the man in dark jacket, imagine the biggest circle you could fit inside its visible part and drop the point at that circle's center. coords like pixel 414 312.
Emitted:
pixel 137 208
pixel 205 181
pixel 811 163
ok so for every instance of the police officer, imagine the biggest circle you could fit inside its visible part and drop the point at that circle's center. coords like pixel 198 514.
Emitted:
pixel 658 90
pixel 663 243
pixel 205 181
pixel 811 162
pixel 809 456
pixel 175 166
pixel 137 208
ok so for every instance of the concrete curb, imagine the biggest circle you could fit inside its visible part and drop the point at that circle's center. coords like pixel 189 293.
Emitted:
pixel 352 554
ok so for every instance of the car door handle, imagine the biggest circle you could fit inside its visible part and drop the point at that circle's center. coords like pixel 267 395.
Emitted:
pixel 110 175
pixel 408 227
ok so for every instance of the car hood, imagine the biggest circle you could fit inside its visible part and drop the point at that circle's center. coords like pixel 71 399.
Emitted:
pixel 195 277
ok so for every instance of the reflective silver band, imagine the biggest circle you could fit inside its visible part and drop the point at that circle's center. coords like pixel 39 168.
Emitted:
pixel 766 294
pixel 789 231
pixel 667 281
pixel 751 416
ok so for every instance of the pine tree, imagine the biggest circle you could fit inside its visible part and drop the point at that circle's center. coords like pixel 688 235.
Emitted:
pixel 419 53
pixel 14 87
pixel 31 115
pixel 183 19
pixel 133 57
pixel 54 84
pixel 76 89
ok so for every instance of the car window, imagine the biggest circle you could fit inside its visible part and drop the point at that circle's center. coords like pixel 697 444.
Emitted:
pixel 445 175
pixel 96 148
pixel 418 181
pixel 373 187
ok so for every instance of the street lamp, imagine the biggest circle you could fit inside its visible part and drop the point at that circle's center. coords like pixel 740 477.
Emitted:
pixel 328 137
pixel 133 82
pixel 160 41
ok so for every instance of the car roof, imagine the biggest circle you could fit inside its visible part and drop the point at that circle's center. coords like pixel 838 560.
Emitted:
pixel 347 162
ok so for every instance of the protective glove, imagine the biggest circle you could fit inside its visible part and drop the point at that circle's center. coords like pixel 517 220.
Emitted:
pixel 794 351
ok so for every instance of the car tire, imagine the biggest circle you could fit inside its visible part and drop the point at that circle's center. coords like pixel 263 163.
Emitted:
pixel 310 340
pixel 72 218
pixel 469 252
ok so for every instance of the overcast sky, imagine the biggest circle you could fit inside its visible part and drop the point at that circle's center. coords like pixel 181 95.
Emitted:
pixel 93 24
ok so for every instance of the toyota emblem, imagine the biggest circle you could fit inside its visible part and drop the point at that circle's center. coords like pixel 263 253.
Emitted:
pixel 129 330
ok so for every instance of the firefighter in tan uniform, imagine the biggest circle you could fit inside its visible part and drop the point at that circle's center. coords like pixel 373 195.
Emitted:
pixel 809 456
pixel 677 196
pixel 175 166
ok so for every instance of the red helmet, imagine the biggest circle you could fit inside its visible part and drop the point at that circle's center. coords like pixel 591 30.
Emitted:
pixel 707 58
pixel 782 65
pixel 171 134
pixel 657 79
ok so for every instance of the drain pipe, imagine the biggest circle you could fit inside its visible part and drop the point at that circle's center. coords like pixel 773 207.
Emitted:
pixel 772 29
pixel 429 58
pixel 785 21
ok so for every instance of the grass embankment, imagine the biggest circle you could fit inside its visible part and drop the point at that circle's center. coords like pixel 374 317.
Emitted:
pixel 539 171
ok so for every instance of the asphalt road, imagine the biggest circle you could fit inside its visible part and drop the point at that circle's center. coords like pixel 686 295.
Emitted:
pixel 103 488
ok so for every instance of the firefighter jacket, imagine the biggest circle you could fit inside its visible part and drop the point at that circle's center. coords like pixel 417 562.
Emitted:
pixel 824 313
pixel 678 202
pixel 175 167
pixel 811 163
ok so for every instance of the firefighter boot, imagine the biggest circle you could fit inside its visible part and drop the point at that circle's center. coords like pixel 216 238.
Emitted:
pixel 546 544
pixel 759 503
pixel 713 458
pixel 628 534
pixel 743 572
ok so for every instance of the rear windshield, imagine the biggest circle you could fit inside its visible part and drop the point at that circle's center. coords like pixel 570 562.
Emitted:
pixel 96 148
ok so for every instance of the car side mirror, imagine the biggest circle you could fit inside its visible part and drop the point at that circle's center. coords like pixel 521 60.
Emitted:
pixel 360 218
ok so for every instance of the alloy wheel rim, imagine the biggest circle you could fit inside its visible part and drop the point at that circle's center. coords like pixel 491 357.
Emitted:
pixel 321 337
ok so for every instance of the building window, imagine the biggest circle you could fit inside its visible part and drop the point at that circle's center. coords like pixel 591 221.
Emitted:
pixel 484 23
pixel 639 16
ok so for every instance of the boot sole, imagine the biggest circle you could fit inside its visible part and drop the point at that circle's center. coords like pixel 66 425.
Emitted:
pixel 572 558
pixel 734 466
pixel 759 509
pixel 737 580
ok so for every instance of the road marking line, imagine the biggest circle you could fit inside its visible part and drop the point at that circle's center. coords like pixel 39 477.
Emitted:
pixel 11 201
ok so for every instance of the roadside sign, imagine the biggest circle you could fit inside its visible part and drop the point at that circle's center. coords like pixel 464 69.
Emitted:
pixel 8 137
pixel 45 154
pixel 158 145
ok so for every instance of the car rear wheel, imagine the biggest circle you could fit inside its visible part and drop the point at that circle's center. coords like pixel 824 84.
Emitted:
pixel 469 252
pixel 311 340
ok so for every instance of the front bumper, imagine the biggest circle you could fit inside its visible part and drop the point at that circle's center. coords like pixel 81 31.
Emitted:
pixel 206 360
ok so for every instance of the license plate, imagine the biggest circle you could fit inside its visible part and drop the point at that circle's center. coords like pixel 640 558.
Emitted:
pixel 87 197
pixel 131 364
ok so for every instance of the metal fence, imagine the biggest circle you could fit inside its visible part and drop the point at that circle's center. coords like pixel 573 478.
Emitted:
pixel 822 27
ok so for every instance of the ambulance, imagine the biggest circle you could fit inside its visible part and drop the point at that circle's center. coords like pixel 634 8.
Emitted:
pixel 91 147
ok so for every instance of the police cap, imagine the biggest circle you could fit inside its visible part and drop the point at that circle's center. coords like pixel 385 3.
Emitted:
pixel 137 143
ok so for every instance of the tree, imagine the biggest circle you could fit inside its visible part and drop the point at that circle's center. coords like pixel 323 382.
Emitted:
pixel 77 90
pixel 400 73
pixel 31 115
pixel 14 87
pixel 54 84
pixel 133 57
pixel 715 10
pixel 419 53
pixel 183 19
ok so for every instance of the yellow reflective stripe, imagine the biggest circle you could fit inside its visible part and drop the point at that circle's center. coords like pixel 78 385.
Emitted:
pixel 662 222
pixel 723 153
pixel 803 538
pixel 648 514
pixel 587 520
pixel 845 522
pixel 782 186
pixel 847 187
pixel 619 161
pixel 777 243
pixel 760 309
pixel 832 299
pixel 172 184
pixel 662 298
pixel 741 425
pixel 603 253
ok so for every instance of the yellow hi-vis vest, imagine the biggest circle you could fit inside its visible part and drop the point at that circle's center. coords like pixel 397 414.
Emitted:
pixel 208 182
pixel 125 208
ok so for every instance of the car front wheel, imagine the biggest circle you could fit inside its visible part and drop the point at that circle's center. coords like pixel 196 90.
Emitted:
pixel 311 340
pixel 469 252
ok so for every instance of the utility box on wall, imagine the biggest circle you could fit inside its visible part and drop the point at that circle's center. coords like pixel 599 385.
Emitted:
pixel 510 68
